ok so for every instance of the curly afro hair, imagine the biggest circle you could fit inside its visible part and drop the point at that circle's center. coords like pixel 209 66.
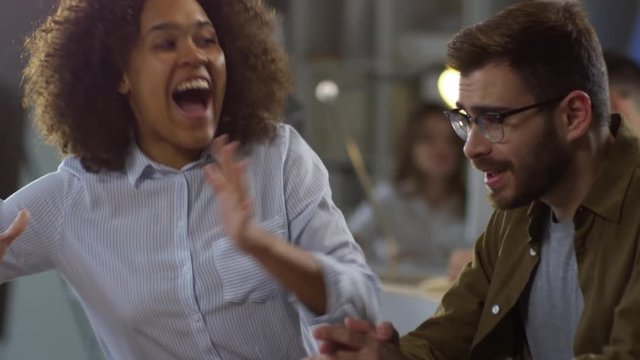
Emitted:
pixel 76 59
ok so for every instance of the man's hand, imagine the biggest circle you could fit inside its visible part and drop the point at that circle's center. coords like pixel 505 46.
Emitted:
pixel 14 230
pixel 358 340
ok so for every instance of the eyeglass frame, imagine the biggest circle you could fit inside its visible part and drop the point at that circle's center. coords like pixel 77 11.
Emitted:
pixel 455 116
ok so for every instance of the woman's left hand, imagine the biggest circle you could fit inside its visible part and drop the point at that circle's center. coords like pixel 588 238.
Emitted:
pixel 295 268
pixel 226 178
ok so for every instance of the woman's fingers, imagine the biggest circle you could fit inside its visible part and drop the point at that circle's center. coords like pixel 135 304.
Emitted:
pixel 228 170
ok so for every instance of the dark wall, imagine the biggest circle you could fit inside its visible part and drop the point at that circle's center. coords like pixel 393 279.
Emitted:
pixel 16 20
pixel 11 128
pixel 11 146
pixel 613 21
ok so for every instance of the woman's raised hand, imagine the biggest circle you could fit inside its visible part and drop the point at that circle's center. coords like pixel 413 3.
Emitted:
pixel 227 179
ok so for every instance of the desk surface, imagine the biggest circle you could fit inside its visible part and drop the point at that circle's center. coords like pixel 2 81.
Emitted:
pixel 431 288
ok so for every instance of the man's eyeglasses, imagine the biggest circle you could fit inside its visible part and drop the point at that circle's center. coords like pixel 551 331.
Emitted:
pixel 490 123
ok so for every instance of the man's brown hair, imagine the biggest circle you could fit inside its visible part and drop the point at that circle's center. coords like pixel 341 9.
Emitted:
pixel 551 45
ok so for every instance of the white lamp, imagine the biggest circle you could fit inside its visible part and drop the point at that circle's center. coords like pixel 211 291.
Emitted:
pixel 327 91
pixel 448 84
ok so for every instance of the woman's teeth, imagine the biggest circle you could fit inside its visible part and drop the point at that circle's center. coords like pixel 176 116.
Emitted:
pixel 196 84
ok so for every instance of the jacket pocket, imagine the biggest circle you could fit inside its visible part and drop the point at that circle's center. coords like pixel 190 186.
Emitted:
pixel 243 278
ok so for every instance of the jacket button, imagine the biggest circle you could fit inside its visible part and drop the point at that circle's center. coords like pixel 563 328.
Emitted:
pixel 532 252
pixel 495 309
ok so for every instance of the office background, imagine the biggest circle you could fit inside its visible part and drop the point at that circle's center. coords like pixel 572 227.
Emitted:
pixel 383 54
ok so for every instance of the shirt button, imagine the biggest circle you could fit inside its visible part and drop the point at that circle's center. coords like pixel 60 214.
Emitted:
pixel 495 309
pixel 532 252
pixel 186 269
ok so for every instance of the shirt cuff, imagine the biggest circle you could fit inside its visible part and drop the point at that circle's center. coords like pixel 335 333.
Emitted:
pixel 352 290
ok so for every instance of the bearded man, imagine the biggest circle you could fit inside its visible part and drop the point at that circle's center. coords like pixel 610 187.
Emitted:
pixel 556 274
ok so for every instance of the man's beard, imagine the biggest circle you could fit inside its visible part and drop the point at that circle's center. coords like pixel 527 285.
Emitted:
pixel 538 171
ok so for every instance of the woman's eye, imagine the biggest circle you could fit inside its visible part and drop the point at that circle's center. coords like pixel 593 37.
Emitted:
pixel 207 41
pixel 165 45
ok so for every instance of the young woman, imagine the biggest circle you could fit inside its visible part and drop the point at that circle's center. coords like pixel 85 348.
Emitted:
pixel 176 248
pixel 424 205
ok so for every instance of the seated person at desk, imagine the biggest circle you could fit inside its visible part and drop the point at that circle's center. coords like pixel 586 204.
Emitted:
pixel 175 246
pixel 424 206
pixel 556 274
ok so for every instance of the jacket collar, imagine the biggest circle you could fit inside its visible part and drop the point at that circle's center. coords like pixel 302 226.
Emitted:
pixel 607 194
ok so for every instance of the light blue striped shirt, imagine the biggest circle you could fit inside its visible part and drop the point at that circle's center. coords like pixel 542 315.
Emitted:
pixel 146 254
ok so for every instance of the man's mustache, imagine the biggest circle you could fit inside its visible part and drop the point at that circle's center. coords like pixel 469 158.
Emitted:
pixel 489 165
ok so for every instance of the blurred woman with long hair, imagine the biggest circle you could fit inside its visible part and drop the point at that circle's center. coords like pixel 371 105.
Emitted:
pixel 423 206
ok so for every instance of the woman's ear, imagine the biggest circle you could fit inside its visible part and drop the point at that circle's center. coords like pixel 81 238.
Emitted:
pixel 124 87
pixel 577 114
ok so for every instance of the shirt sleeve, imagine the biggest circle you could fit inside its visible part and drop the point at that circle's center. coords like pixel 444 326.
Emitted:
pixel 365 226
pixel 318 226
pixel 361 222
pixel 34 250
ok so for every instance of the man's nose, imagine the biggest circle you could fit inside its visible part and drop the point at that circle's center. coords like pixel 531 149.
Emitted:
pixel 477 145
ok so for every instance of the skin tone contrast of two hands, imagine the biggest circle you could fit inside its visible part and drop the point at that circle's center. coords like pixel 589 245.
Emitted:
pixel 358 340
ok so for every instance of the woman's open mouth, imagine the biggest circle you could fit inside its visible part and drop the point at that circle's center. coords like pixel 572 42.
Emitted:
pixel 193 97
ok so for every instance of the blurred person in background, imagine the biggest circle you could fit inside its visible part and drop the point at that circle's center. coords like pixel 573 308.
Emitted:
pixel 424 204
pixel 624 87
pixel 179 245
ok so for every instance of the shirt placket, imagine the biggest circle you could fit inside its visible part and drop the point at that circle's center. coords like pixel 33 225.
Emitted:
pixel 188 294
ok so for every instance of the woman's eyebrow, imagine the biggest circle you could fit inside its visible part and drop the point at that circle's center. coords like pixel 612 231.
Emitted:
pixel 166 25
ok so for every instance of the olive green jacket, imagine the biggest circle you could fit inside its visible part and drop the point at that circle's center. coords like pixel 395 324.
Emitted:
pixel 480 316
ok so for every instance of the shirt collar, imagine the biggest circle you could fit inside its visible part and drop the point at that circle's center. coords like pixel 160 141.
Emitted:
pixel 607 194
pixel 138 167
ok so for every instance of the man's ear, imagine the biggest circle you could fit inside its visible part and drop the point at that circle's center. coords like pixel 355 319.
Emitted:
pixel 577 115
pixel 124 86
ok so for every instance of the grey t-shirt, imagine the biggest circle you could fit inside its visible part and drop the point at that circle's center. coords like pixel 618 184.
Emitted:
pixel 554 303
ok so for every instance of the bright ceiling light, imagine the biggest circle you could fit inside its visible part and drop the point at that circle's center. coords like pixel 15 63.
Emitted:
pixel 448 84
